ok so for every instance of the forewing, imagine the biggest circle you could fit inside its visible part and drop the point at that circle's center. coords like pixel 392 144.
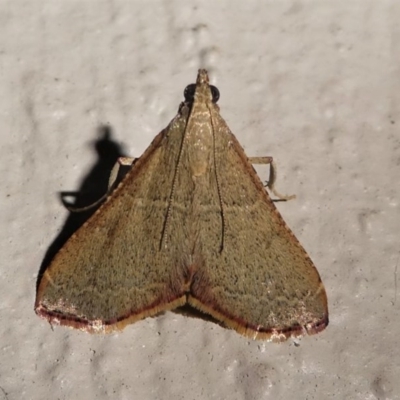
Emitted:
pixel 262 283
pixel 111 271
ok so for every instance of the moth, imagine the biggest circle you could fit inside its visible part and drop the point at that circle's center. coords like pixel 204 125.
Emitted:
pixel 190 224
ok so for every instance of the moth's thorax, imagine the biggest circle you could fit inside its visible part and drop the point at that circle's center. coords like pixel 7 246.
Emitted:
pixel 200 139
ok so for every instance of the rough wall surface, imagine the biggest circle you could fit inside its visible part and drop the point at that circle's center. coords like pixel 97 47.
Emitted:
pixel 314 84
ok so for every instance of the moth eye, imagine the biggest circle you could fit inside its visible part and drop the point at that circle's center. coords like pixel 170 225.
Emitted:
pixel 190 89
pixel 189 92
pixel 215 93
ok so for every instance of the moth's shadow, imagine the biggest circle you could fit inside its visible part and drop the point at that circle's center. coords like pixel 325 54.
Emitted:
pixel 92 188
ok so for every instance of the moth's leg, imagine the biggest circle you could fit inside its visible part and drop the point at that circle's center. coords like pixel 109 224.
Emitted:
pixel 114 176
pixel 272 176
pixel 121 162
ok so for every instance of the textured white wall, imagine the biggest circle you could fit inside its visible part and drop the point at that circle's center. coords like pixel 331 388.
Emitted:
pixel 313 83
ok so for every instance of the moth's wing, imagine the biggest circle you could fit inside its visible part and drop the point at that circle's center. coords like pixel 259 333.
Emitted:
pixel 111 272
pixel 263 284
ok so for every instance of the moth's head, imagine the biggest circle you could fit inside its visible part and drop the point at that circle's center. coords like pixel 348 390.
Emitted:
pixel 202 77
pixel 201 91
